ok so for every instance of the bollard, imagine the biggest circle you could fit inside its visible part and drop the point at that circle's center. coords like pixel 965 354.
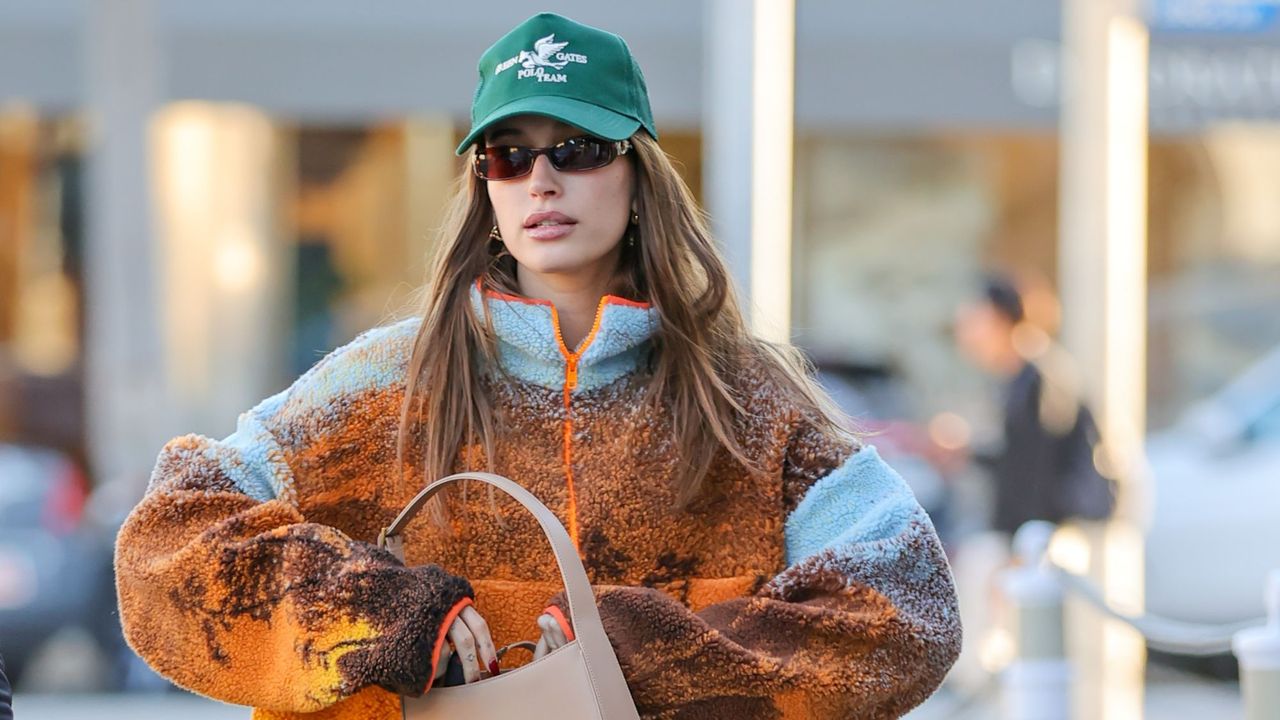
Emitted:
pixel 1037 683
pixel 1258 650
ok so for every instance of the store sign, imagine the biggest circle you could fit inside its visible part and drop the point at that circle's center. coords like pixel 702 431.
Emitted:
pixel 1190 84
pixel 1213 15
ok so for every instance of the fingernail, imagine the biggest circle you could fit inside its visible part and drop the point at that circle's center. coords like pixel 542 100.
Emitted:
pixel 493 667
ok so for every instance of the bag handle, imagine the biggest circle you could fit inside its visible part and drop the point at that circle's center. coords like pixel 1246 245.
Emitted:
pixel 602 663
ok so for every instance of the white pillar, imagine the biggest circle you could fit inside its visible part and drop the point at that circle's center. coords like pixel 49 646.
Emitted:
pixel 772 170
pixel 726 132
pixel 226 293
pixel 1102 259
pixel 126 410
pixel 1036 683
pixel 748 136
pixel 1258 650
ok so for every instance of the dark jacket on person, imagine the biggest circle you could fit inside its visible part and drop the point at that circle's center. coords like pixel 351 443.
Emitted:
pixel 1046 468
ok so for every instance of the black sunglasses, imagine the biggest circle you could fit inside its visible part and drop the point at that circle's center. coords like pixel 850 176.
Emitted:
pixel 505 162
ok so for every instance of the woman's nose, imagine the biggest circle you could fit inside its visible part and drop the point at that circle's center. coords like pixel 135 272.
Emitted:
pixel 544 179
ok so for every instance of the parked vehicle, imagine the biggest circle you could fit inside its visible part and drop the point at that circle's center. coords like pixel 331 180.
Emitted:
pixel 1214 528
pixel 55 567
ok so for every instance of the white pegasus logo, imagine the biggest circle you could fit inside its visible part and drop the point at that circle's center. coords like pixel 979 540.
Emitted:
pixel 544 62
pixel 543 50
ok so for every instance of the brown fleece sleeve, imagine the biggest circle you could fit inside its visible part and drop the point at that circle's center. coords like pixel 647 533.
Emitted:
pixel 863 622
pixel 230 592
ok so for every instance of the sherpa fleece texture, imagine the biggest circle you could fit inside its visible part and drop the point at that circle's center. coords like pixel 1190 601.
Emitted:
pixel 816 589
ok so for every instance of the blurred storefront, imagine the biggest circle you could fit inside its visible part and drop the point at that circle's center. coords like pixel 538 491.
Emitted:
pixel 318 136
pixel 41 308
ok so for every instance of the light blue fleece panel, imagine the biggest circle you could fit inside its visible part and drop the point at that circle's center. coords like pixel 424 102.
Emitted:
pixel 529 350
pixel 619 345
pixel 252 458
pixel 862 501
pixel 374 360
pixel 527 344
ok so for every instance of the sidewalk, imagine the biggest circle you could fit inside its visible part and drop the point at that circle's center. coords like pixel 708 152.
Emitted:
pixel 129 706
pixel 1170 696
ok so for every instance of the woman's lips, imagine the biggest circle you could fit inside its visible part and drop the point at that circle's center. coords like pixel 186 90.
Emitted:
pixel 549 232
pixel 548 225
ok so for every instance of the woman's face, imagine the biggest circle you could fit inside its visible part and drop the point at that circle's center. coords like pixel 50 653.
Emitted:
pixel 982 335
pixel 560 223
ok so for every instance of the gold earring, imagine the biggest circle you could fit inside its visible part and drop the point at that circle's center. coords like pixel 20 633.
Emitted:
pixel 494 234
pixel 633 230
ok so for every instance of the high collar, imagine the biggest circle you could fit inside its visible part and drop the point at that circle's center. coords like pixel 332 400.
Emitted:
pixel 531 348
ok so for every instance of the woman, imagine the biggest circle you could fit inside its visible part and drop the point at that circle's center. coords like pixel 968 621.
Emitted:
pixel 580 336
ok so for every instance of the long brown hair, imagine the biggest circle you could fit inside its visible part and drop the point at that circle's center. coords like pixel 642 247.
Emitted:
pixel 701 344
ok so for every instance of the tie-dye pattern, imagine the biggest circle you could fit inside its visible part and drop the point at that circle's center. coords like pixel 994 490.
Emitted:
pixel 861 623
pixel 228 588
pixel 815 589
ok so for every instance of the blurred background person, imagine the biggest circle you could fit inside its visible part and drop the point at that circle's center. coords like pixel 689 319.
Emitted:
pixel 1040 462
pixel 1043 466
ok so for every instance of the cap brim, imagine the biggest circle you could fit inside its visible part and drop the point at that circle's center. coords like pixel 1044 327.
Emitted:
pixel 592 118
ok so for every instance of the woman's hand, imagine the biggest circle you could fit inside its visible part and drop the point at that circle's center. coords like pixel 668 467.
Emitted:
pixel 469 637
pixel 553 636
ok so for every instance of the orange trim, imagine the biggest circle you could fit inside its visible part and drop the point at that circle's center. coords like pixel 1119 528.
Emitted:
pixel 568 475
pixel 570 382
pixel 554 612
pixel 572 357
pixel 617 300
pixel 444 633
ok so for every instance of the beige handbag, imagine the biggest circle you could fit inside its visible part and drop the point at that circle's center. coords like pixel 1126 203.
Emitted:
pixel 578 681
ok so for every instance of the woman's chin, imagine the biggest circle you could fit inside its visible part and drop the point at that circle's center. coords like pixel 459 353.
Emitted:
pixel 553 268
pixel 552 264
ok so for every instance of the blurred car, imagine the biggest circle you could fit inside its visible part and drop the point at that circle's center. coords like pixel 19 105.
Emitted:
pixel 55 568
pixel 1214 528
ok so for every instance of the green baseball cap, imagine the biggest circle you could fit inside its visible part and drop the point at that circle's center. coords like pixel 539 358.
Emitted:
pixel 550 65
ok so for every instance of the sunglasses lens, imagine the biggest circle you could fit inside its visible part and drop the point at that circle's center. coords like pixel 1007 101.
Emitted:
pixel 502 163
pixel 582 153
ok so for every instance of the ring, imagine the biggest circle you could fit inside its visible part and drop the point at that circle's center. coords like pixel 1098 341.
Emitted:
pixel 471 657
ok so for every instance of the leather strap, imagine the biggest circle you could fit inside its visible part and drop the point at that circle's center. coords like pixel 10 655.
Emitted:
pixel 602 663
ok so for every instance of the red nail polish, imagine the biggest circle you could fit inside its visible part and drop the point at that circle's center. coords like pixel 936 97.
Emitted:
pixel 493 667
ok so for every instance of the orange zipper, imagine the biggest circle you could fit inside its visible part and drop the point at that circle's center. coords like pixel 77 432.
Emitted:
pixel 570 382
